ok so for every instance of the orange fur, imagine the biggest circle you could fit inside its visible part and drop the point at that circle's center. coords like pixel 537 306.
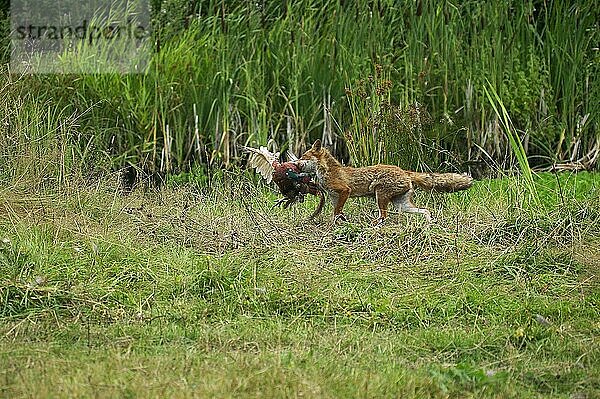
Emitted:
pixel 386 183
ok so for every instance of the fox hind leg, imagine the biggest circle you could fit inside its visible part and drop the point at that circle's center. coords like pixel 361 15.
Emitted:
pixel 382 203
pixel 404 203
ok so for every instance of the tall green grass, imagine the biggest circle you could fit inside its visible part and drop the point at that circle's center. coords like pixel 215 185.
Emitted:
pixel 227 73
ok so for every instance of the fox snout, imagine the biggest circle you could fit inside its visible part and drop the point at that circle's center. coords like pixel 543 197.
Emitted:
pixel 307 165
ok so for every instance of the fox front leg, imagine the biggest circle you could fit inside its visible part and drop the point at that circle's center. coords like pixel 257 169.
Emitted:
pixel 319 208
pixel 339 199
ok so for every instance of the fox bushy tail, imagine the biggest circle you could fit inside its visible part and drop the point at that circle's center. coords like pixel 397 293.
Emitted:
pixel 442 182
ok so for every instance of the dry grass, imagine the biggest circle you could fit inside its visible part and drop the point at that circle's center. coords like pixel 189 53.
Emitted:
pixel 195 292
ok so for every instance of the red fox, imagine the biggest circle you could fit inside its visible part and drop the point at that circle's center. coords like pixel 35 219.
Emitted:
pixel 386 183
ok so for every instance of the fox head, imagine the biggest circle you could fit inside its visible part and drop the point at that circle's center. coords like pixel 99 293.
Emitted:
pixel 322 157
pixel 315 153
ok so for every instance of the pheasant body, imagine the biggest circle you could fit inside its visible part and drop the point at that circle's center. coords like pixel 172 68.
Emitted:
pixel 289 176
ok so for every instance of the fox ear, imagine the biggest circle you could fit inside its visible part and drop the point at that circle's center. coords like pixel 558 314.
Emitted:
pixel 317 145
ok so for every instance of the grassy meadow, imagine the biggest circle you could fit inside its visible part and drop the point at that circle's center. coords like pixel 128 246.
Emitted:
pixel 140 258
pixel 198 291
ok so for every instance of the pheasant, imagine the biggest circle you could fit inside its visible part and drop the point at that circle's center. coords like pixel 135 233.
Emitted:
pixel 292 177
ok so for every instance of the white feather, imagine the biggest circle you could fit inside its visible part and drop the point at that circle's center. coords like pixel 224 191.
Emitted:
pixel 262 161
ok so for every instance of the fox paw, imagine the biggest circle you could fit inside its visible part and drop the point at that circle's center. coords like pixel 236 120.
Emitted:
pixel 377 222
pixel 427 215
pixel 339 218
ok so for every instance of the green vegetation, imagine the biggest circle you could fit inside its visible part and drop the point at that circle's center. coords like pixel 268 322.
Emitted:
pixel 196 292
pixel 197 288
pixel 229 72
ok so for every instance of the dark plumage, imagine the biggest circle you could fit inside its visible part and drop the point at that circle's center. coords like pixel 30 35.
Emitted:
pixel 292 177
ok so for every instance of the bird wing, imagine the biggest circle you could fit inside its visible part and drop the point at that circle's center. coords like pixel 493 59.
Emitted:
pixel 262 161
